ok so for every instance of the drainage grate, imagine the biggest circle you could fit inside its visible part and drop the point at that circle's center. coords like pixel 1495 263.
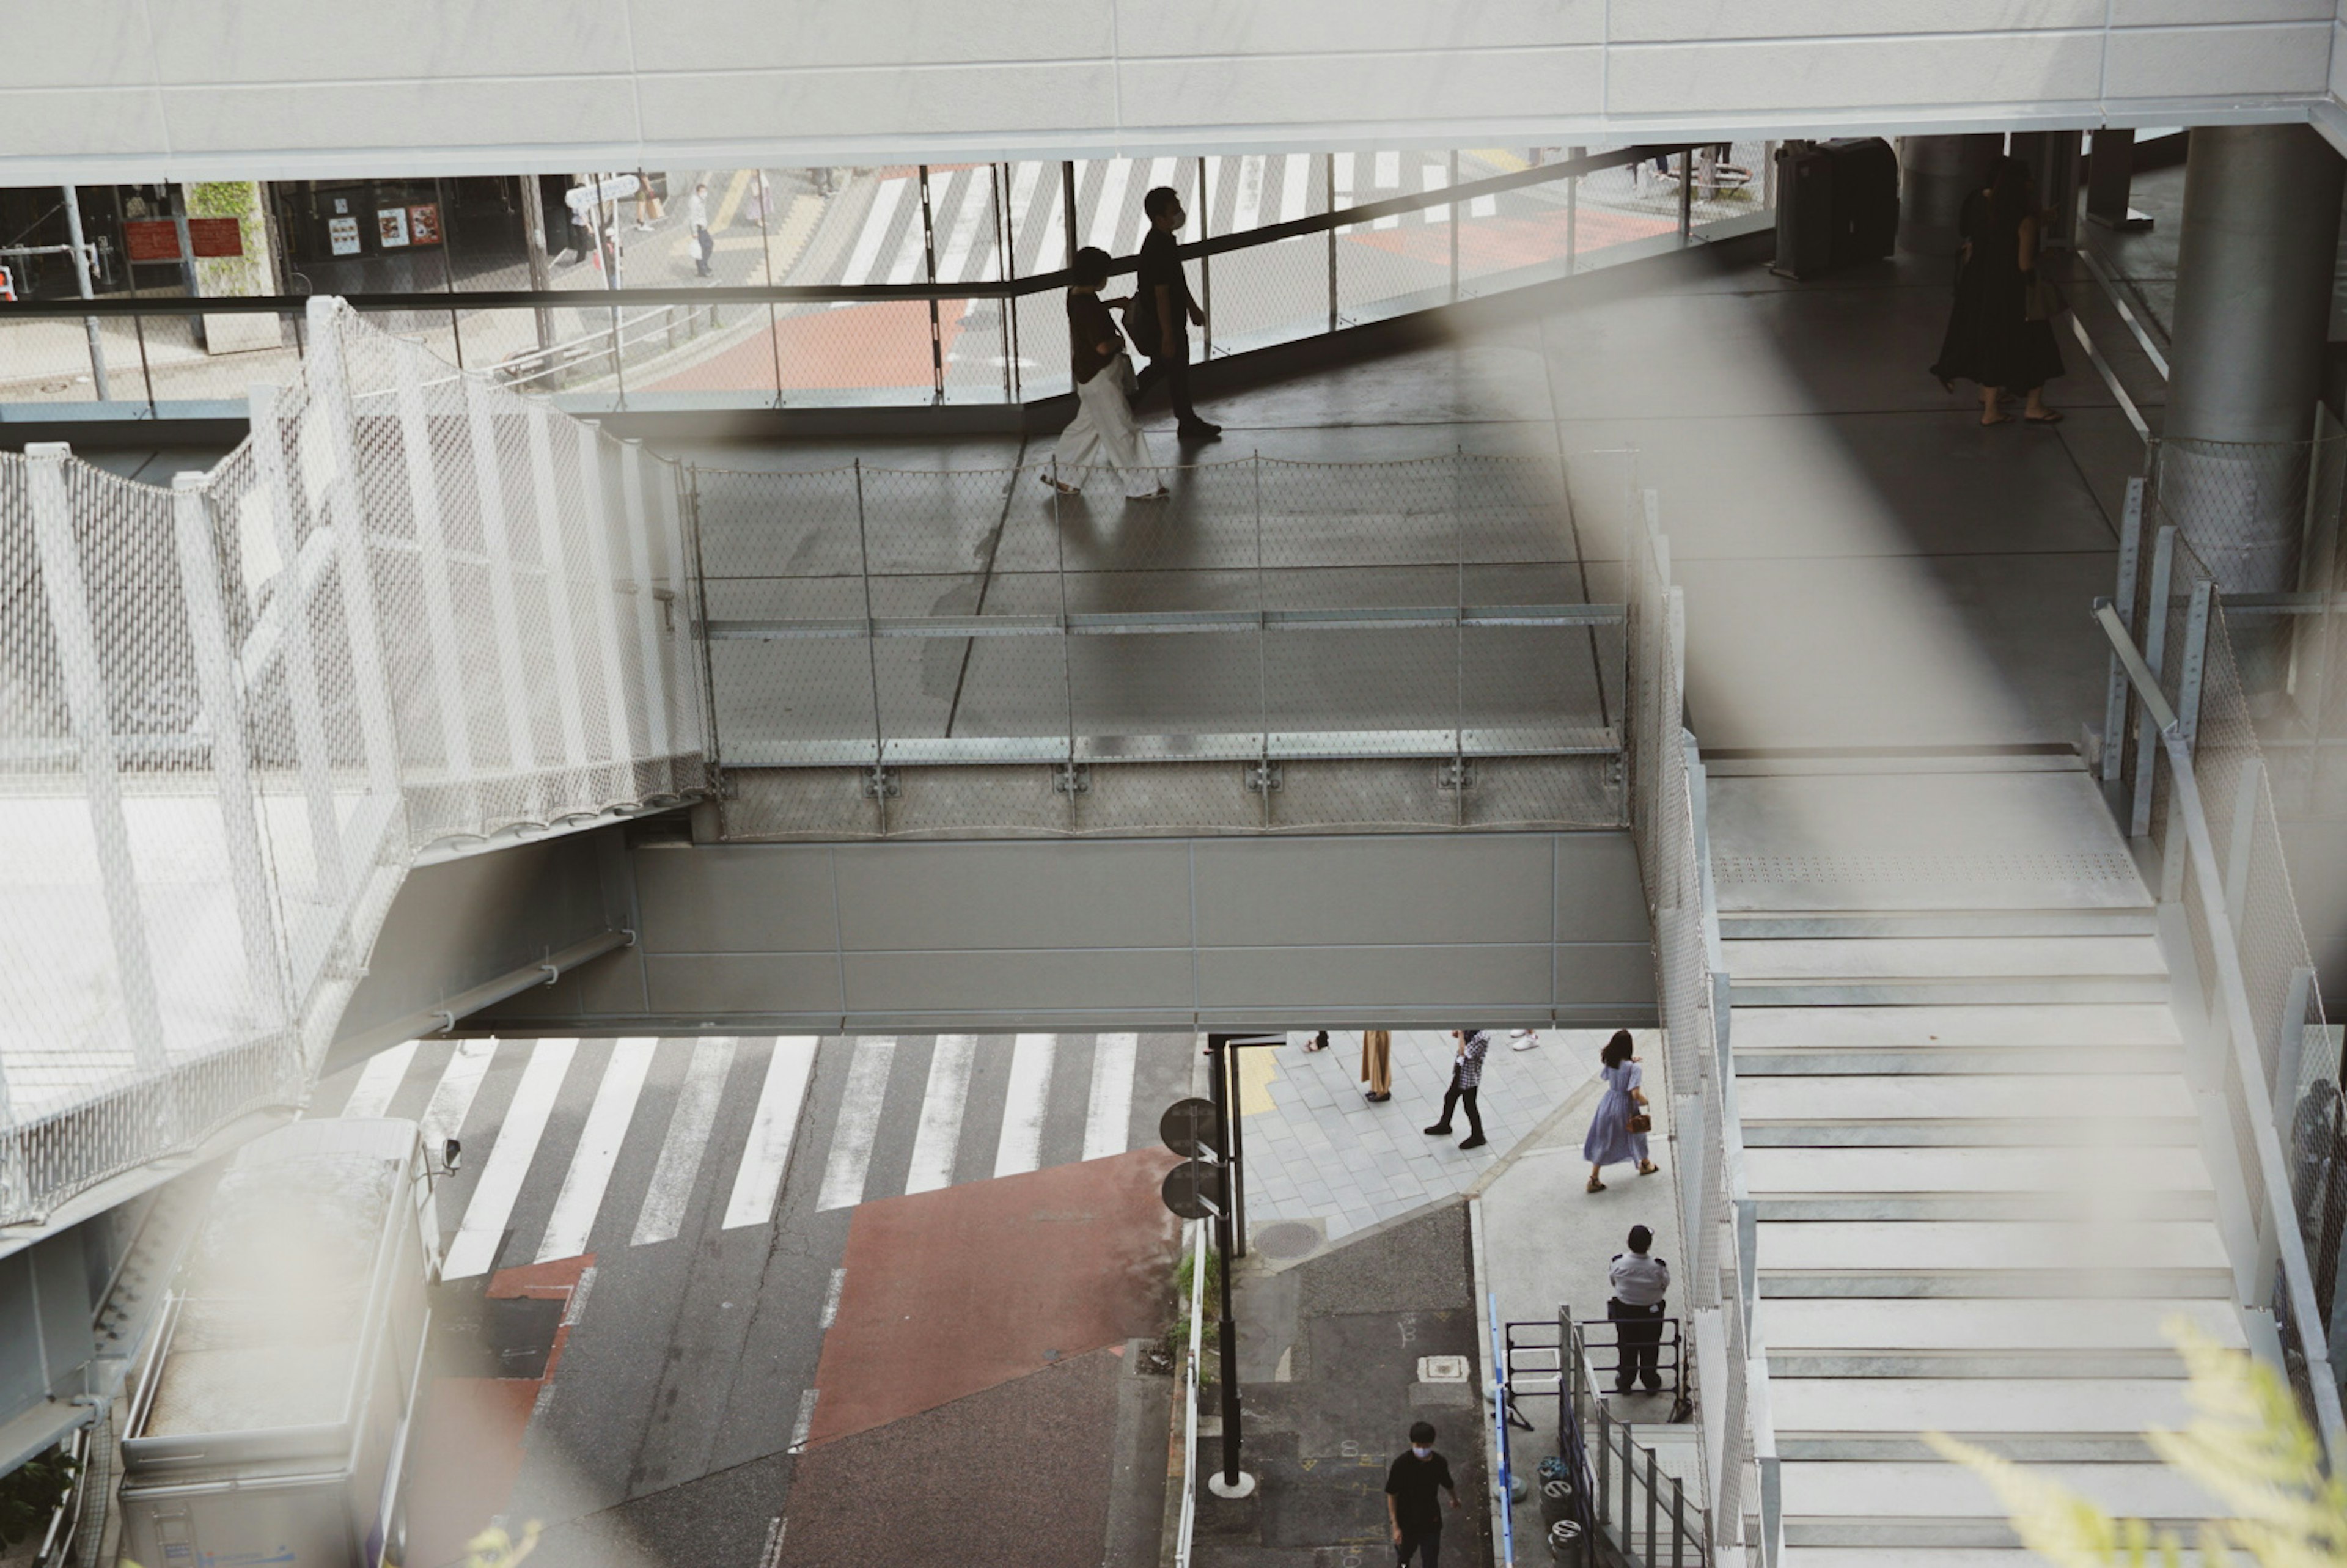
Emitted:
pixel 1286 1239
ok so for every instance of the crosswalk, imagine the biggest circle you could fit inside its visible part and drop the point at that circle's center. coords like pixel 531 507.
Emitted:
pixel 575 1145
pixel 892 244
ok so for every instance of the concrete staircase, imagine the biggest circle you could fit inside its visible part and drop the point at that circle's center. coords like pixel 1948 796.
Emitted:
pixel 1981 1194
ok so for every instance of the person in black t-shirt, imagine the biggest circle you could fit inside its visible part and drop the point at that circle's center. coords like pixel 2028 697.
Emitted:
pixel 1413 1510
pixel 1162 304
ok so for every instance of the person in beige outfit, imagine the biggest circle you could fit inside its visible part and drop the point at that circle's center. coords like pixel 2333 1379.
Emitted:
pixel 1376 1063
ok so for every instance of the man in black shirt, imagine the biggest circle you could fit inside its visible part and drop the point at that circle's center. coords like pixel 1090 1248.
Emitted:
pixel 1162 298
pixel 1412 1509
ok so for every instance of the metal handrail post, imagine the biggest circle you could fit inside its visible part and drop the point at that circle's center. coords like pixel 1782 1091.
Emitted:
pixel 871 654
pixel 2240 1026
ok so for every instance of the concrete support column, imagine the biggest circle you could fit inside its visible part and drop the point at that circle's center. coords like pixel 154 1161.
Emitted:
pixel 1935 174
pixel 2054 157
pixel 2254 269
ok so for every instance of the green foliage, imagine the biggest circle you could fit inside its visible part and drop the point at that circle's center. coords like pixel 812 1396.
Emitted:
pixel 1177 1338
pixel 2247 1446
pixel 223 198
pixel 493 1547
pixel 31 1492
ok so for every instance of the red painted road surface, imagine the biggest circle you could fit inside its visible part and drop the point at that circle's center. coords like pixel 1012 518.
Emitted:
pixel 955 1291
pixel 469 1451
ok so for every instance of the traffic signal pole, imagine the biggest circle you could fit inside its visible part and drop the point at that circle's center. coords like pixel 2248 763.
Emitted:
pixel 1230 1482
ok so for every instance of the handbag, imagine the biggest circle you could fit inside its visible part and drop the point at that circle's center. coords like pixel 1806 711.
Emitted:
pixel 1141 320
pixel 1641 1122
pixel 2043 299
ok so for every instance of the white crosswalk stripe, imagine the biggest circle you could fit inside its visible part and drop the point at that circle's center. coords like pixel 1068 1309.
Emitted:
pixel 1108 209
pixel 381 1080
pixel 941 1112
pixel 858 1124
pixel 1020 1147
pixel 877 222
pixel 759 1180
pixel 1111 1111
pixel 452 1098
pixel 671 1192
pixel 484 1224
pixel 1058 1102
pixel 581 1197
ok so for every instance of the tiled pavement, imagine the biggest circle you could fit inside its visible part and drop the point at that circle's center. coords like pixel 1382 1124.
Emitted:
pixel 1316 1150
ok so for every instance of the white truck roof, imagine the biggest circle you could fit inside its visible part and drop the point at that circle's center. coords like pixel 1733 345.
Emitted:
pixel 277 1286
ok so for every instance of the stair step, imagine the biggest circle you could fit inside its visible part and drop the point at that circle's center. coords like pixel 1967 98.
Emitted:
pixel 2130 1323
pixel 1788 1365
pixel 2038 1420
pixel 1962 1258
pixel 1845 1183
pixel 1905 959
pixel 1906 1503
pixel 1953 1110
pixel 1894 1061
pixel 2066 990
pixel 1983 1024
pixel 1747 925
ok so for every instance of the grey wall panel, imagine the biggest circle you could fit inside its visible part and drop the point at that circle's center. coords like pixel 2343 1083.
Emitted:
pixel 1378 982
pixel 1132 894
pixel 1604 974
pixel 1152 981
pixel 1598 895
pixel 712 984
pixel 463 923
pixel 1460 887
pixel 737 898
pixel 1422 929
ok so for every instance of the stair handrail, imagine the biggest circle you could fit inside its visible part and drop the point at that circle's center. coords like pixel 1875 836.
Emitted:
pixel 2298 1274
pixel 1746 1231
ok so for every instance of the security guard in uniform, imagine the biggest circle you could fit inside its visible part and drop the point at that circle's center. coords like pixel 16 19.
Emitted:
pixel 1639 1283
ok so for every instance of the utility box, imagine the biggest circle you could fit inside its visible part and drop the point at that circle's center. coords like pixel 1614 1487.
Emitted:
pixel 272 1417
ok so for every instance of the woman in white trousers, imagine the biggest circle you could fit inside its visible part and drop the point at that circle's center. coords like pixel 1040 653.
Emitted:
pixel 1103 428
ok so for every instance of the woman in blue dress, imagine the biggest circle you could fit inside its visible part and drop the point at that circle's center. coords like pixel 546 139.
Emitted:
pixel 1610 1140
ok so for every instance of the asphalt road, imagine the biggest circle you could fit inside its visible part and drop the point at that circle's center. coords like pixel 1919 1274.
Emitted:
pixel 664 1434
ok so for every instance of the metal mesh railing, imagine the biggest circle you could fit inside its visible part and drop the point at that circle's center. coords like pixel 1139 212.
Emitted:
pixel 1716 1211
pixel 889 284
pixel 1228 657
pixel 412 611
pixel 2234 660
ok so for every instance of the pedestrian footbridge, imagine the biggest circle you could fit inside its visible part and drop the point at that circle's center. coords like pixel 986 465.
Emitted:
pixel 433 708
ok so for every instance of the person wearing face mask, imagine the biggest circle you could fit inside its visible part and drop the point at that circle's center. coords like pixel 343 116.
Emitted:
pixel 1413 1511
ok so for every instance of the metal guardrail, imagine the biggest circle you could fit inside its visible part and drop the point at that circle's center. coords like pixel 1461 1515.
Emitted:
pixel 669 346
pixel 2303 1320
pixel 1187 1528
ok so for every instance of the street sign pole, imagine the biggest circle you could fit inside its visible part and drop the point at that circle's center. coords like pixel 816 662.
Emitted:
pixel 1230 1483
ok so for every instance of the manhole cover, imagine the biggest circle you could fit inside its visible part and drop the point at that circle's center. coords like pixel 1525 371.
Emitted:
pixel 1286 1239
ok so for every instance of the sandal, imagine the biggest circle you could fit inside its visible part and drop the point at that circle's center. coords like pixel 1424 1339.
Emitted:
pixel 2050 417
pixel 1648 1169
pixel 1049 483
pixel 1596 1185
pixel 1999 419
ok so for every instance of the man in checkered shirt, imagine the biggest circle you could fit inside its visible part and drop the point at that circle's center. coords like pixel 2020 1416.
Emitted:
pixel 1466 1077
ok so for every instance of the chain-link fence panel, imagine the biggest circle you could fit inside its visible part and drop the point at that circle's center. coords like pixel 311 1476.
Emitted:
pixel 1263 613
pixel 413 612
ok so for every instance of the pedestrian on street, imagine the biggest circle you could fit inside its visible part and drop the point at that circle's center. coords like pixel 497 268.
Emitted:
pixel 1617 1132
pixel 1413 1511
pixel 1465 1077
pixel 1639 1283
pixel 1103 423
pixel 1163 313
pixel 704 245
pixel 1377 1064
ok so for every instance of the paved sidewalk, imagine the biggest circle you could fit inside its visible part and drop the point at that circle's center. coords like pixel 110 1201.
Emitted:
pixel 1547 1242
pixel 1317 1152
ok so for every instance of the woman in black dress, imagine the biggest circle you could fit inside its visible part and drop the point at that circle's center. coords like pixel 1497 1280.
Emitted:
pixel 2016 354
pixel 1960 348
